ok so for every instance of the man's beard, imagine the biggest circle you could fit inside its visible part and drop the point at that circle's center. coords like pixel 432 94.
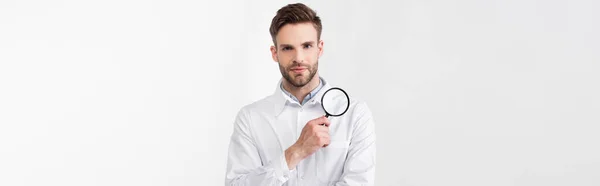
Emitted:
pixel 299 80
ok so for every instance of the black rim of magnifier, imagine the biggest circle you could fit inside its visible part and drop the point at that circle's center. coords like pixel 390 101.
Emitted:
pixel 327 114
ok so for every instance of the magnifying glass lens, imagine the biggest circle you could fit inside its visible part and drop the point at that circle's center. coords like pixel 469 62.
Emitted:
pixel 335 102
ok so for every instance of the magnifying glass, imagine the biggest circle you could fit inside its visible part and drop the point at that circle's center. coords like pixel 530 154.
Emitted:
pixel 335 102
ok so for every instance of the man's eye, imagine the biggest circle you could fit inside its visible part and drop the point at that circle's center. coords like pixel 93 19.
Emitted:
pixel 286 48
pixel 307 46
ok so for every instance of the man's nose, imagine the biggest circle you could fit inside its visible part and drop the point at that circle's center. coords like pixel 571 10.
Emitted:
pixel 299 58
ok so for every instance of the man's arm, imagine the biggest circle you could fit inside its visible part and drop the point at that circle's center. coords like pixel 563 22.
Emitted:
pixel 244 167
pixel 359 168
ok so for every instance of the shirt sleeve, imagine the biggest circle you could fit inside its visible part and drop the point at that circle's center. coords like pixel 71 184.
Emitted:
pixel 244 166
pixel 359 169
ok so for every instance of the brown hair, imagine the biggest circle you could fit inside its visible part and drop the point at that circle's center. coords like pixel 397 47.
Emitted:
pixel 292 14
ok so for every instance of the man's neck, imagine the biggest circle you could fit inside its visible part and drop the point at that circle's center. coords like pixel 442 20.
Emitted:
pixel 301 92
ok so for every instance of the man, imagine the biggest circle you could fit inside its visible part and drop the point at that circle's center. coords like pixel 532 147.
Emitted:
pixel 285 139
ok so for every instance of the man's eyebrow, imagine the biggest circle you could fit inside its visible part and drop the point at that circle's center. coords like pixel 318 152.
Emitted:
pixel 305 43
pixel 285 45
pixel 308 43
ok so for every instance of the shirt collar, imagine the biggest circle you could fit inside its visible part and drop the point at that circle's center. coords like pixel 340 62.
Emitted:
pixel 307 97
pixel 282 98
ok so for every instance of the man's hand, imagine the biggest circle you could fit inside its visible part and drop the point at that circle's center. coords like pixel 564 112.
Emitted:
pixel 315 135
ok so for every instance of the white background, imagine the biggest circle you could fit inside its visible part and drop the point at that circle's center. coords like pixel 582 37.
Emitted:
pixel 127 92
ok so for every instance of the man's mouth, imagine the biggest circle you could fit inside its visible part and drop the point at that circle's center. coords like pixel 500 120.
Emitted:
pixel 298 69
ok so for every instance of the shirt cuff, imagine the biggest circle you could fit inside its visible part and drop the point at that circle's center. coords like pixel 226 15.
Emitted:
pixel 282 170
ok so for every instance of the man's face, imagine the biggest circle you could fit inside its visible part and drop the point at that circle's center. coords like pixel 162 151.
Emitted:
pixel 297 52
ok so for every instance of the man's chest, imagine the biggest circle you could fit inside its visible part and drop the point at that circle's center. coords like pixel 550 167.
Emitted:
pixel 274 134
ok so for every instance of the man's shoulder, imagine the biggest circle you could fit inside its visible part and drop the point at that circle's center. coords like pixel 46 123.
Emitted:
pixel 356 101
pixel 262 105
pixel 358 106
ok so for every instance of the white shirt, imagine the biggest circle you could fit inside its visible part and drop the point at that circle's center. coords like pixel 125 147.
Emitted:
pixel 264 129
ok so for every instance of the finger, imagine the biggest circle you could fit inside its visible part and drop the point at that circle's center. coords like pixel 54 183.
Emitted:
pixel 326 122
pixel 323 133
pixel 317 119
pixel 326 142
pixel 316 122
pixel 322 129
pixel 321 121
pixel 326 137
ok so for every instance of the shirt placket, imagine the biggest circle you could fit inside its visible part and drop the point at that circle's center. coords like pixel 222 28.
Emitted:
pixel 299 127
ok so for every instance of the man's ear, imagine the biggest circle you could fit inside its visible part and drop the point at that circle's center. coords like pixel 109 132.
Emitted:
pixel 274 53
pixel 320 46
